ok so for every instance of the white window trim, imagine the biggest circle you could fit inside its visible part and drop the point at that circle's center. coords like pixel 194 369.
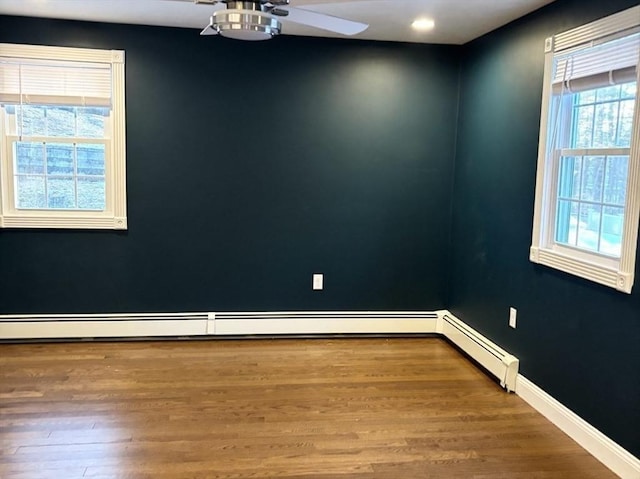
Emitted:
pixel 115 214
pixel 618 274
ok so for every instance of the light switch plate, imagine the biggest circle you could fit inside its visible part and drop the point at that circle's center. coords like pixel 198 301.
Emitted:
pixel 318 280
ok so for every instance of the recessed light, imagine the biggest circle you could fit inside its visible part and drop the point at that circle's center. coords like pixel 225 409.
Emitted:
pixel 423 24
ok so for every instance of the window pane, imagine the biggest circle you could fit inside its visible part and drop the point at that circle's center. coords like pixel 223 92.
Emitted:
pixel 589 226
pixel 61 121
pixel 592 178
pixel 29 158
pixel 628 90
pixel 59 159
pixel 569 181
pixel 91 122
pixel 615 183
pixel 588 96
pixel 612 227
pixel 608 93
pixel 90 159
pixel 567 222
pixel 32 120
pixel 605 125
pixel 30 192
pixel 625 125
pixel 583 127
pixel 61 192
pixel 91 193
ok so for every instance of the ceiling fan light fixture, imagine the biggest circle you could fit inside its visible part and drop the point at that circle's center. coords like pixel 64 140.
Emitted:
pixel 423 24
pixel 245 24
pixel 259 19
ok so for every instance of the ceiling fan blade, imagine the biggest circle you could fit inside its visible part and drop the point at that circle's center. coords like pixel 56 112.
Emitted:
pixel 324 21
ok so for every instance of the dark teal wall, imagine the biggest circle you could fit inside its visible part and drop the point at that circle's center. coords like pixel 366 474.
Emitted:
pixel 577 340
pixel 252 166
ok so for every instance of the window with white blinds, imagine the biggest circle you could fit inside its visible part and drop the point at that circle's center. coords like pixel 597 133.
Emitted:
pixel 587 205
pixel 62 138
pixel 29 81
pixel 597 64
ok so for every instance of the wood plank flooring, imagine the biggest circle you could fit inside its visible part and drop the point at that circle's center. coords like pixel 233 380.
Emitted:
pixel 269 408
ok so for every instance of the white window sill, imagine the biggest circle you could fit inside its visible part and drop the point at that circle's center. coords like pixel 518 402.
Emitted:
pixel 69 222
pixel 592 271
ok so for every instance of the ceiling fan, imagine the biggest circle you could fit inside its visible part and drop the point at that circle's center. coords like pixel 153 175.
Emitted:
pixel 260 19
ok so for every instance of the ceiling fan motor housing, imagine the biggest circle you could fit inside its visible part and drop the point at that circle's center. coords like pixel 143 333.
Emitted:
pixel 245 21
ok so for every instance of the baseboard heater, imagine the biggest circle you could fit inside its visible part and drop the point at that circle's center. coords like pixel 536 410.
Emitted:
pixel 325 322
pixel 127 325
pixel 131 325
pixel 494 359
pixel 111 325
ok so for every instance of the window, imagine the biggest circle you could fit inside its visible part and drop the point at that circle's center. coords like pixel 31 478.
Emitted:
pixel 62 142
pixel 588 184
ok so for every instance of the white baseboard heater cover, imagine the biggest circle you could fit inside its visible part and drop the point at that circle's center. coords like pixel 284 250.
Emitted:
pixel 128 325
pixel 325 322
pixel 112 325
pixel 494 359
pixel 70 326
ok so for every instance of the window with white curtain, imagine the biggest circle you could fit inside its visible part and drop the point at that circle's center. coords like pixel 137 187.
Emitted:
pixel 588 183
pixel 62 138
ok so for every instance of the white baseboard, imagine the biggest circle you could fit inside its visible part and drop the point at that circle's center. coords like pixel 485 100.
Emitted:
pixel 616 458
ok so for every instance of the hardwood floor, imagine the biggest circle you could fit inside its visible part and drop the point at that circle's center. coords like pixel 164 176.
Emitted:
pixel 284 408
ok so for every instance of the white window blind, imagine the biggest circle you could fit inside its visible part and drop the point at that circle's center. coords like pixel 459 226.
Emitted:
pixel 30 81
pixel 596 65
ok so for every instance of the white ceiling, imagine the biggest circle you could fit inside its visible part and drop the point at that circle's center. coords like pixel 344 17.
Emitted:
pixel 456 21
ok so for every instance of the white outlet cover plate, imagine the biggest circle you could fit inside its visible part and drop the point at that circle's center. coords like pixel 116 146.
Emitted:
pixel 318 280
pixel 512 317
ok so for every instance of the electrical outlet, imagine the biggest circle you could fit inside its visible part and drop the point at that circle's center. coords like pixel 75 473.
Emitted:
pixel 513 313
pixel 318 280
